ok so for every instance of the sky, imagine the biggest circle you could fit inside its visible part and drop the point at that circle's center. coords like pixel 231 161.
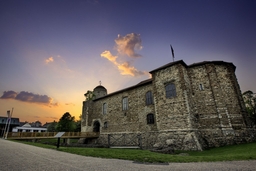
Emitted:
pixel 53 51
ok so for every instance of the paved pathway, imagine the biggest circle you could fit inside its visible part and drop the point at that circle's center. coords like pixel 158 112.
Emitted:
pixel 21 157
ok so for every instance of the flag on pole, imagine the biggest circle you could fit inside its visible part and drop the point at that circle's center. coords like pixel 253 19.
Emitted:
pixel 172 52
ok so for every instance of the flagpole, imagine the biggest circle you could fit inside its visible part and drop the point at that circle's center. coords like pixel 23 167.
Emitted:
pixel 9 124
pixel 172 53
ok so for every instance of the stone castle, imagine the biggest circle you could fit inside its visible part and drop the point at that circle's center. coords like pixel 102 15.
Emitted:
pixel 188 107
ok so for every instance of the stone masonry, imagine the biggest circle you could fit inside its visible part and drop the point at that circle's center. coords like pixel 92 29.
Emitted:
pixel 206 109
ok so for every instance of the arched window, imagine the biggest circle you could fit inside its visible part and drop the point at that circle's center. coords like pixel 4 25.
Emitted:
pixel 125 103
pixel 104 108
pixel 150 119
pixel 149 98
pixel 105 124
pixel 170 90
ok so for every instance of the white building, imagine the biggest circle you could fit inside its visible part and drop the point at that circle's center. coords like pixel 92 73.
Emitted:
pixel 27 128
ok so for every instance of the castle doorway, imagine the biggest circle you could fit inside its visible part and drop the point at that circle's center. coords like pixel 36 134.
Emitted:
pixel 96 126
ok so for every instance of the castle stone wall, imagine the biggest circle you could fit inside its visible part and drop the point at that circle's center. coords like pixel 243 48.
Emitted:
pixel 207 111
pixel 119 120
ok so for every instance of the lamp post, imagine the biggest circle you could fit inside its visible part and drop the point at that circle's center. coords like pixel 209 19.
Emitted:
pixel 9 121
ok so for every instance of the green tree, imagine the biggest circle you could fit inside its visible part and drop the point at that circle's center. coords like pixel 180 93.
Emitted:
pixel 52 127
pixel 250 103
pixel 66 123
pixel 89 95
pixel 78 125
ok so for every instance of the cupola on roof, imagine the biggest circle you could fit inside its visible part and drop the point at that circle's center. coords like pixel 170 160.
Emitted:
pixel 99 88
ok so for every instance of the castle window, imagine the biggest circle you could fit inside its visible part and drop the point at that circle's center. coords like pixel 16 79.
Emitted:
pixel 104 108
pixel 105 124
pixel 201 87
pixel 170 90
pixel 150 119
pixel 149 98
pixel 125 103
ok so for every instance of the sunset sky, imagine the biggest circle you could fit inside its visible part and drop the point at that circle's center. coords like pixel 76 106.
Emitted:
pixel 53 51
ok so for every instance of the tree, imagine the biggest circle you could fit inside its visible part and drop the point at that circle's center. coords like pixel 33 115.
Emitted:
pixel 52 127
pixel 66 123
pixel 89 95
pixel 78 124
pixel 250 104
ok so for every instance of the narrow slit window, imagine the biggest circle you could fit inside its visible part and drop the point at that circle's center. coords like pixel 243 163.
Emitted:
pixel 201 87
pixel 125 103
pixel 104 108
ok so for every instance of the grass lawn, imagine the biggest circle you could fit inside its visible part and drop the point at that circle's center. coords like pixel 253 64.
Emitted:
pixel 227 153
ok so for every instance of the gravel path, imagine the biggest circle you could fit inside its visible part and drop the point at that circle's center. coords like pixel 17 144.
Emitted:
pixel 21 157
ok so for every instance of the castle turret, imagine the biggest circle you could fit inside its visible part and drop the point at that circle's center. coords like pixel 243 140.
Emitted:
pixel 99 91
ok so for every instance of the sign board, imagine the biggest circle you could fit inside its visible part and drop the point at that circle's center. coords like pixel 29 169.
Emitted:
pixel 59 134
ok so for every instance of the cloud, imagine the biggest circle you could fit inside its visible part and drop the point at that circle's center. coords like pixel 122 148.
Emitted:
pixel 29 97
pixel 52 117
pixel 107 54
pixel 70 104
pixel 9 95
pixel 124 68
pixel 128 44
pixel 50 59
pixel 58 64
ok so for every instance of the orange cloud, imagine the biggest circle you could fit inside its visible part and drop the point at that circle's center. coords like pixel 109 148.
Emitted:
pixel 124 68
pixel 128 44
pixel 106 54
pixel 50 59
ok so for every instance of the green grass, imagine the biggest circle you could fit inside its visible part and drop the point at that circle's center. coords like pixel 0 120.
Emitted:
pixel 227 153
pixel 54 140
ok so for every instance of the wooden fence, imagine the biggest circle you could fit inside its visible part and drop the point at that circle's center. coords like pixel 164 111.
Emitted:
pixel 42 135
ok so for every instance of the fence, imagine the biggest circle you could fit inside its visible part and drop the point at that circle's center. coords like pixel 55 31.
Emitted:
pixel 41 135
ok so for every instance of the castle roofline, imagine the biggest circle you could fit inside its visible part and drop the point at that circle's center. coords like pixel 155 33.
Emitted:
pixel 168 65
pixel 148 81
pixel 212 62
pixel 192 65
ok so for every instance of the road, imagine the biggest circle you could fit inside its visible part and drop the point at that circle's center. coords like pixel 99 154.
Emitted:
pixel 21 157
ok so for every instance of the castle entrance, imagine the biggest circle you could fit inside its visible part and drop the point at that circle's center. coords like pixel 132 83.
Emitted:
pixel 96 126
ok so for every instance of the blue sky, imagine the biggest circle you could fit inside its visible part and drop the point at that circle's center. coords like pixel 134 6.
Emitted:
pixel 53 51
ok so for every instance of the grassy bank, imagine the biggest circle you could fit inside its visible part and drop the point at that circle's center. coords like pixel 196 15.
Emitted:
pixel 227 153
